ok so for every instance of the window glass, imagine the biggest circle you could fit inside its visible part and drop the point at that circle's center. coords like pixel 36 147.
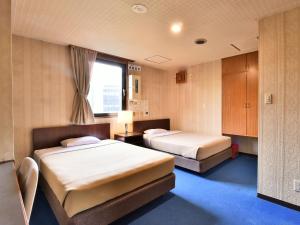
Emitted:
pixel 106 87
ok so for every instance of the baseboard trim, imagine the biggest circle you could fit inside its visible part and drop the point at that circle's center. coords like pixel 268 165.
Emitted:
pixel 248 154
pixel 279 202
pixel 7 161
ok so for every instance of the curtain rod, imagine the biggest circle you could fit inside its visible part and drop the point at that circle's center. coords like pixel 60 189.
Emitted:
pixel 107 56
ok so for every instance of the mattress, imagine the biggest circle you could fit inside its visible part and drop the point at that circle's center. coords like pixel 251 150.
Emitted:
pixel 85 176
pixel 190 145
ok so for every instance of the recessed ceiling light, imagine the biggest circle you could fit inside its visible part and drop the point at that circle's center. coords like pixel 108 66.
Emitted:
pixel 138 8
pixel 176 27
pixel 200 41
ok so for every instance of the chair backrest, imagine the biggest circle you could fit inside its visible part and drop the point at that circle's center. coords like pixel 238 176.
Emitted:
pixel 28 179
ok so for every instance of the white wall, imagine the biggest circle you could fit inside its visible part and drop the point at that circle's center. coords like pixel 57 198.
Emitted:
pixel 279 142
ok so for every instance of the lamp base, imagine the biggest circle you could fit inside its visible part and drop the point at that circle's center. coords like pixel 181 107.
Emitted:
pixel 126 128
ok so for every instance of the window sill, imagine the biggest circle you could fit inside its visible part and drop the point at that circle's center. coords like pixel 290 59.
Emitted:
pixel 106 115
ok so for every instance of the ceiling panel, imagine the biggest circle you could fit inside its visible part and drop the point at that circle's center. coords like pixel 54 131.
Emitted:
pixel 110 26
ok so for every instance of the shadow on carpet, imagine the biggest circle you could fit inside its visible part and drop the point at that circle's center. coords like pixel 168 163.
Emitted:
pixel 169 209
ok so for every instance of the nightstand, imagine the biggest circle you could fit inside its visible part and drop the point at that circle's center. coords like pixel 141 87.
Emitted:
pixel 131 138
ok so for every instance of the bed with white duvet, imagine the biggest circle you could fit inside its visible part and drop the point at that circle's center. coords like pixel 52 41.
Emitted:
pixel 187 144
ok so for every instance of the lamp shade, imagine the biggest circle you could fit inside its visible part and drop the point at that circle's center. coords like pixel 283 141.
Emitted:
pixel 125 117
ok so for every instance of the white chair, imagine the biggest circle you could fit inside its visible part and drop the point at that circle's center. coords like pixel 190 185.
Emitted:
pixel 28 178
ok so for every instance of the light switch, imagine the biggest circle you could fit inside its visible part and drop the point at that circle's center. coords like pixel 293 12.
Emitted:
pixel 268 98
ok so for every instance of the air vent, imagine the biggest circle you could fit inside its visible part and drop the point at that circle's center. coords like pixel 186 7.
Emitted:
pixel 157 59
pixel 200 41
pixel 235 47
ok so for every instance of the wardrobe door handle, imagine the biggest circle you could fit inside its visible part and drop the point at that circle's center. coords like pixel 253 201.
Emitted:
pixel 247 105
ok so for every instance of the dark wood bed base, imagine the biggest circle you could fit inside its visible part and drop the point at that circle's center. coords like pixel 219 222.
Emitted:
pixel 192 164
pixel 112 210
pixel 107 212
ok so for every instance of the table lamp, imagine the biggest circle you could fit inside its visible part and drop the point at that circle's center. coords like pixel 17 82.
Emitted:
pixel 125 117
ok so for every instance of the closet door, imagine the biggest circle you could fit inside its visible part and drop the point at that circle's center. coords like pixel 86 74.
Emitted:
pixel 252 94
pixel 234 85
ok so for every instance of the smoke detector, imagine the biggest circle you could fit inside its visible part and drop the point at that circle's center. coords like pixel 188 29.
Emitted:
pixel 138 8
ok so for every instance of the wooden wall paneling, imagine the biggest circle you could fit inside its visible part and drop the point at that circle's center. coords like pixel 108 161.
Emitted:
pixel 252 94
pixel 196 105
pixel 6 83
pixel 154 90
pixel 36 92
pixel 19 99
pixel 192 106
pixel 26 119
pixel 44 90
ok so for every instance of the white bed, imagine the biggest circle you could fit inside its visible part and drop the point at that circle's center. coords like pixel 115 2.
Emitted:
pixel 88 175
pixel 187 144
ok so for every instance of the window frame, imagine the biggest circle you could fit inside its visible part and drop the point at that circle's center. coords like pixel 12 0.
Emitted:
pixel 124 86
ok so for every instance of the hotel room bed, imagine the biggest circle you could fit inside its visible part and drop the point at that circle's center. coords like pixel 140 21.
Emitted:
pixel 98 183
pixel 192 151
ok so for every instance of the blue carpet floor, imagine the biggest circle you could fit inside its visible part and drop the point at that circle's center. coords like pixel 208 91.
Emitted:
pixel 225 195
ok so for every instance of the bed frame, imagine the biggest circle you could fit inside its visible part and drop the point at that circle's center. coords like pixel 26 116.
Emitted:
pixel 192 164
pixel 107 212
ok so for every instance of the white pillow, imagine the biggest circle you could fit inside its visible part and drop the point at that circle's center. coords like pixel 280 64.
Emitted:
pixel 155 131
pixel 80 141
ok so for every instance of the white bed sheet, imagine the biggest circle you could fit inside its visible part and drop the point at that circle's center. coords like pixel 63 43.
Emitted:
pixel 188 144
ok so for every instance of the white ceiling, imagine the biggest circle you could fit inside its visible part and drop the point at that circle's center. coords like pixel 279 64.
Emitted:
pixel 110 26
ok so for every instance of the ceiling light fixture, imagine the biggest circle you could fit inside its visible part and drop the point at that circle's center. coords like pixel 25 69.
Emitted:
pixel 138 8
pixel 176 28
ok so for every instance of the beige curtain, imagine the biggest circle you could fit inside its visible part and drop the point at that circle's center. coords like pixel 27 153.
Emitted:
pixel 82 64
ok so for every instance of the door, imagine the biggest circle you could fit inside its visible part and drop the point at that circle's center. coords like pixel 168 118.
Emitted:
pixel 233 103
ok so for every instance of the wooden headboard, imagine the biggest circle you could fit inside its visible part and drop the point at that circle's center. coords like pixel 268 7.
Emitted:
pixel 142 125
pixel 52 136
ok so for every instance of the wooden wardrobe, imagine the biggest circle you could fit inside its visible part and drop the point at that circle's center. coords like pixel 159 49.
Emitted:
pixel 240 95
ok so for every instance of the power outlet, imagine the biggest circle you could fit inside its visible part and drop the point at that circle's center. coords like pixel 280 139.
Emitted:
pixel 297 185
pixel 146 113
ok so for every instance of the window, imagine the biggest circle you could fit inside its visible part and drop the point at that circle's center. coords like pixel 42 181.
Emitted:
pixel 107 88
